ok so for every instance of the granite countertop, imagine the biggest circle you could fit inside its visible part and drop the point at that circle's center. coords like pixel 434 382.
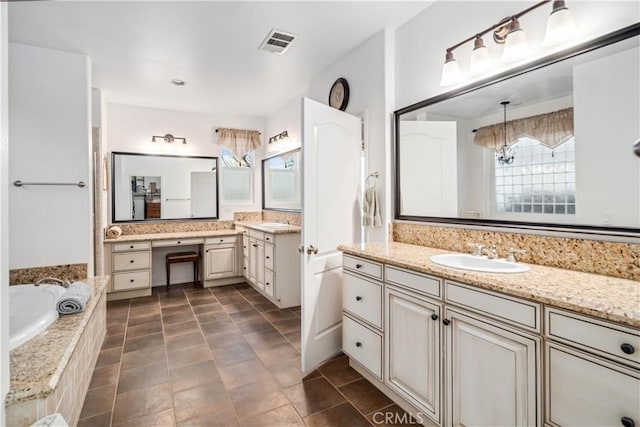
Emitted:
pixel 604 297
pixel 256 225
pixel 173 235
pixel 36 366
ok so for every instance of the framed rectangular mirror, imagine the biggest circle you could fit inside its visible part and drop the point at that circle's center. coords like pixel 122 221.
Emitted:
pixel 281 182
pixel 547 146
pixel 149 187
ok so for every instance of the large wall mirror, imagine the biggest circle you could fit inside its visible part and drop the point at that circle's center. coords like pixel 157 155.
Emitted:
pixel 281 182
pixel 549 146
pixel 163 187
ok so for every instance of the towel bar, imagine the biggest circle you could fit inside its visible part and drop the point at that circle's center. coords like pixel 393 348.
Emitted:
pixel 19 183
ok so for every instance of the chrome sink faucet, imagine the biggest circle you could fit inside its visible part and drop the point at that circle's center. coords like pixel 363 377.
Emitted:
pixel 511 257
pixel 492 252
pixel 477 248
pixel 52 281
pixel 282 221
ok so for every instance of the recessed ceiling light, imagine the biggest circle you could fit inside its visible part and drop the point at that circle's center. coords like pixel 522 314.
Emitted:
pixel 178 82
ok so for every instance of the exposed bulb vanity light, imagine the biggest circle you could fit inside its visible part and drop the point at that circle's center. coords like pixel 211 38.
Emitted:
pixel 560 27
pixel 281 135
pixel 168 138
pixel 480 57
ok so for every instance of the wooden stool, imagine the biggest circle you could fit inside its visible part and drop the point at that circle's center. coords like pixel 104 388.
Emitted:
pixel 179 257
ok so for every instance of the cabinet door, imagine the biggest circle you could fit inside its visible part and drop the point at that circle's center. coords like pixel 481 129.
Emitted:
pixel 260 264
pixel 253 258
pixel 412 344
pixel 491 373
pixel 583 390
pixel 221 262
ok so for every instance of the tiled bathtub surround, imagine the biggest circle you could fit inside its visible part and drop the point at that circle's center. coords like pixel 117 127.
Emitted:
pixel 30 275
pixel 174 226
pixel 51 373
pixel 590 256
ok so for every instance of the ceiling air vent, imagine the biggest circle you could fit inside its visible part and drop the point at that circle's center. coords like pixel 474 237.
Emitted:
pixel 277 42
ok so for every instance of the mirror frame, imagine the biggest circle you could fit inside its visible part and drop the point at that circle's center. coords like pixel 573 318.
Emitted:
pixel 602 41
pixel 266 159
pixel 113 189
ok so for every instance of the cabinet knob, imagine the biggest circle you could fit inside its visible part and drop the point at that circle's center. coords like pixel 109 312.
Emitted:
pixel 434 316
pixel 446 321
pixel 244 246
pixel 131 261
pixel 358 298
pixel 244 268
pixel 627 422
pixel 358 265
pixel 268 284
pixel 131 280
pixel 131 246
pixel 358 344
pixel 254 245
pixel 627 348
pixel 179 242
pixel 268 257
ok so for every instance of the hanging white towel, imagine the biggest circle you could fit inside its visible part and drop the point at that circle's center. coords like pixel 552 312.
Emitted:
pixel 371 208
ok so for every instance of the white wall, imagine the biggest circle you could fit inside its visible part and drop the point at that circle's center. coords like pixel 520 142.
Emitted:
pixel 4 210
pixel 607 107
pixel 365 68
pixel 129 129
pixel 50 142
pixel 422 41
pixel 289 118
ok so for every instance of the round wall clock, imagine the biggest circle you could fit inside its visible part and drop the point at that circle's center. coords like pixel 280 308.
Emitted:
pixel 339 94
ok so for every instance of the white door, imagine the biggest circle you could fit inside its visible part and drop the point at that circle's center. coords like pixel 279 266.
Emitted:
pixel 492 373
pixel 428 154
pixel 331 147
pixel 413 349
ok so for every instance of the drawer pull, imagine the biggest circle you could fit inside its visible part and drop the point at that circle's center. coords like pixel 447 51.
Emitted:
pixel 131 280
pixel 132 261
pixel 268 257
pixel 179 242
pixel 358 344
pixel 627 422
pixel 627 348
pixel 358 266
pixel 244 268
pixel 434 316
pixel 254 245
pixel 358 298
pixel 131 246
pixel 446 322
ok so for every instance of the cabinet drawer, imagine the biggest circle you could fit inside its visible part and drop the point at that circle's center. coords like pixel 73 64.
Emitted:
pixel 509 309
pixel 418 282
pixel 370 268
pixel 134 280
pixel 131 261
pixel 269 283
pixel 583 390
pixel 363 345
pixel 256 234
pixel 220 240
pixel 243 230
pixel 133 246
pixel 268 256
pixel 602 337
pixel 269 238
pixel 177 242
pixel 362 298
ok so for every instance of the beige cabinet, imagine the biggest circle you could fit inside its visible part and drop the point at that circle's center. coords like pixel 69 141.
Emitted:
pixel 130 267
pixel 491 372
pixel 412 349
pixel 220 261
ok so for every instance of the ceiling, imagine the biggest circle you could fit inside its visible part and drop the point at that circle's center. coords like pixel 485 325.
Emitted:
pixel 137 47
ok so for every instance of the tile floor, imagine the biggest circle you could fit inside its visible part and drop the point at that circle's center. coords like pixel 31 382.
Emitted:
pixel 218 357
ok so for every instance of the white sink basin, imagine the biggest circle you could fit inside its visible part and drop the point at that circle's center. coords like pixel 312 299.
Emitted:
pixel 475 263
pixel 273 224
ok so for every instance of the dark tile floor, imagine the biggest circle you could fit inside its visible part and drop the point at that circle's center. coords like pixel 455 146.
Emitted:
pixel 218 357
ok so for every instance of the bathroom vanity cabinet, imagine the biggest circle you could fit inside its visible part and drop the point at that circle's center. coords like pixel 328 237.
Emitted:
pixel 463 355
pixel 221 258
pixel 271 264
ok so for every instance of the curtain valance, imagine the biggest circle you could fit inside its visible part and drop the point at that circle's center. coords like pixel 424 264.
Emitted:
pixel 239 141
pixel 550 129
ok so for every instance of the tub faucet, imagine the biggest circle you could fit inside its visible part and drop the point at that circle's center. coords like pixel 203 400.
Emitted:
pixel 492 252
pixel 52 281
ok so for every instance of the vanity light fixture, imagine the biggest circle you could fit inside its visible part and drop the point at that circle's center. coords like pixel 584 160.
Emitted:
pixel 168 138
pixel 560 28
pixel 505 154
pixel 281 135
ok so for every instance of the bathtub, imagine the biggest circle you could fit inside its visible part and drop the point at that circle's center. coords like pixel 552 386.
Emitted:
pixel 31 310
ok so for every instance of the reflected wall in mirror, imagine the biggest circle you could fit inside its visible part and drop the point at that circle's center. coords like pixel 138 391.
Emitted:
pixel 281 182
pixel 563 155
pixel 162 187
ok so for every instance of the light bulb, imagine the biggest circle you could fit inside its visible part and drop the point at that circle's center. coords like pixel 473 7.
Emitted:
pixel 480 57
pixel 450 71
pixel 516 45
pixel 560 25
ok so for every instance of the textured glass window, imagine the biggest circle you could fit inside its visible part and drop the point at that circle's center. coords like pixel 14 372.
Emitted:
pixel 540 180
pixel 237 176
